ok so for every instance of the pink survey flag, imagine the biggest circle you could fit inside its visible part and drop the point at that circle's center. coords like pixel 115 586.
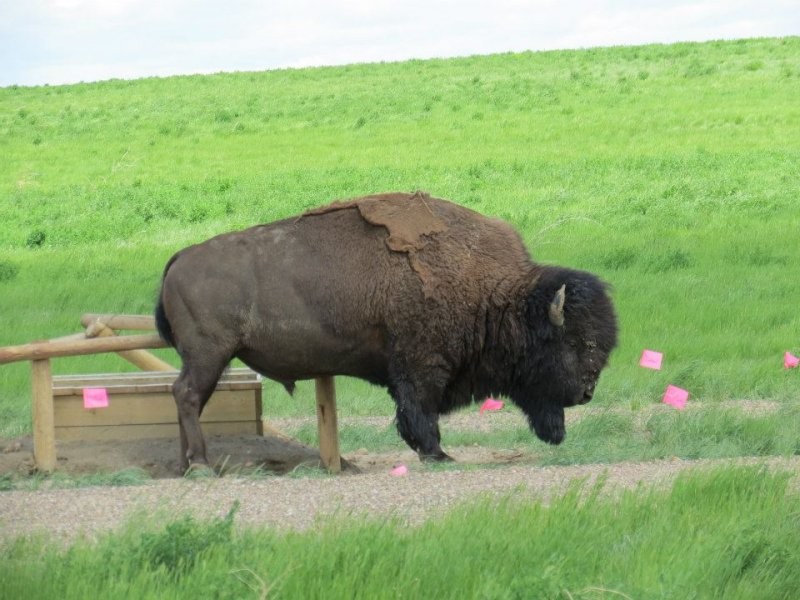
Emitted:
pixel 790 361
pixel 675 396
pixel 399 471
pixel 651 359
pixel 95 398
pixel 491 404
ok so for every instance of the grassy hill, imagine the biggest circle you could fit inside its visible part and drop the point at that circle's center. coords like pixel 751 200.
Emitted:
pixel 673 171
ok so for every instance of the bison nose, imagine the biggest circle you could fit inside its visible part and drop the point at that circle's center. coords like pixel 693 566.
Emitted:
pixel 587 395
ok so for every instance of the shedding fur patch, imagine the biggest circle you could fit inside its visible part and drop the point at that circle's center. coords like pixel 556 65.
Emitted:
pixel 410 221
pixel 407 218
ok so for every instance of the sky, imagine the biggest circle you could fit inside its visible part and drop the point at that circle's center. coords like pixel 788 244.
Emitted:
pixel 66 41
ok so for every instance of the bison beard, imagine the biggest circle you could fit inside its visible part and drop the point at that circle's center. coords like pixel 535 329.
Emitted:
pixel 439 304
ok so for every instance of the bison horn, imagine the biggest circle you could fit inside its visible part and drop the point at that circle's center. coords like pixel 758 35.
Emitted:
pixel 557 307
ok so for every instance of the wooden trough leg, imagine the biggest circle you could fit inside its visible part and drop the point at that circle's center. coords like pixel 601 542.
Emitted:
pixel 326 424
pixel 44 437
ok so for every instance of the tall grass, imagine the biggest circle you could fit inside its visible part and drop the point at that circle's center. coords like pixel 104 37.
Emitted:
pixel 672 171
pixel 726 533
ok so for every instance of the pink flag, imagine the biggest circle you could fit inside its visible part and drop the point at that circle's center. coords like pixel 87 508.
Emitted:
pixel 675 396
pixel 651 359
pixel 790 361
pixel 95 398
pixel 399 471
pixel 491 404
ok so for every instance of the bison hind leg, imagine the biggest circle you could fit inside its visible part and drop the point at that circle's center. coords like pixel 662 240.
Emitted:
pixel 191 390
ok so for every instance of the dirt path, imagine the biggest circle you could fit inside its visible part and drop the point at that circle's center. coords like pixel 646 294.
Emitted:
pixel 299 503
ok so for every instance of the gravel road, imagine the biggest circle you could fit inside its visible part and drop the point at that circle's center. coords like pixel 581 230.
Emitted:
pixel 300 503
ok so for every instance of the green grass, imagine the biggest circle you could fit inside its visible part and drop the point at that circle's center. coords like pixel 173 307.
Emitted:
pixel 671 171
pixel 707 433
pixel 42 481
pixel 724 533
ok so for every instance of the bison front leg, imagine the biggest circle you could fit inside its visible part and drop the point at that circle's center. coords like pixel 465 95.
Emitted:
pixel 418 428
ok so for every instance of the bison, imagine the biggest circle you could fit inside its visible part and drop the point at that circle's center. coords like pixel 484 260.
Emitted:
pixel 438 303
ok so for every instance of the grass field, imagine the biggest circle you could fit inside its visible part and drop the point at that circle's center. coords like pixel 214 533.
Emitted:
pixel 672 171
pixel 727 533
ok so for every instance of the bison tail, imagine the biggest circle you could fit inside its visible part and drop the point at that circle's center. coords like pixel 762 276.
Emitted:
pixel 162 324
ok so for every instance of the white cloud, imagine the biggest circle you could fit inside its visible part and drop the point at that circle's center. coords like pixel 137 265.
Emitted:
pixel 60 41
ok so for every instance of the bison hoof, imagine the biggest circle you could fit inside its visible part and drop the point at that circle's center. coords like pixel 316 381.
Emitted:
pixel 439 456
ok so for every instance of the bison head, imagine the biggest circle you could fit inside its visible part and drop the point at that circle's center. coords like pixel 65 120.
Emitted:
pixel 571 330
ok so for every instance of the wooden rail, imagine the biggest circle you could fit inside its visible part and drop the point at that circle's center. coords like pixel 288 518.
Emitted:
pixel 100 336
pixel 134 322
pixel 54 349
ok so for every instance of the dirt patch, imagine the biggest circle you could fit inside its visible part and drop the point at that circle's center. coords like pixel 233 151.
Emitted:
pixel 229 454
pixel 159 456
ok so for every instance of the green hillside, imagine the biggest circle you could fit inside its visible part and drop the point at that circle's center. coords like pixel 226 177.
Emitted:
pixel 673 171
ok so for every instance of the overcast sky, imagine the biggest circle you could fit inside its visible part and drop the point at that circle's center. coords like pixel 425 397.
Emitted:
pixel 66 41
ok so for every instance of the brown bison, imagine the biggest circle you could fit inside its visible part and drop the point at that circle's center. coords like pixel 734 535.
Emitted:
pixel 438 303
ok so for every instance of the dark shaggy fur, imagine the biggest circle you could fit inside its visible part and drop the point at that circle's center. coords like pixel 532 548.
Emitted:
pixel 436 302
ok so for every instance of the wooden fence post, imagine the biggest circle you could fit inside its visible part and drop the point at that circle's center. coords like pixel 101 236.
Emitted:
pixel 44 440
pixel 326 424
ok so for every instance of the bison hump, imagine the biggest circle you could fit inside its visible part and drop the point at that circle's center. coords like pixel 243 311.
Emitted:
pixel 444 242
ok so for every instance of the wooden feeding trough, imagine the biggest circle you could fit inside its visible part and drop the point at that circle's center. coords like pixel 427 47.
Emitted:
pixel 140 405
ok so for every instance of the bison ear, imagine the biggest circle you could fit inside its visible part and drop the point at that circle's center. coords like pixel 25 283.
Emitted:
pixel 556 312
